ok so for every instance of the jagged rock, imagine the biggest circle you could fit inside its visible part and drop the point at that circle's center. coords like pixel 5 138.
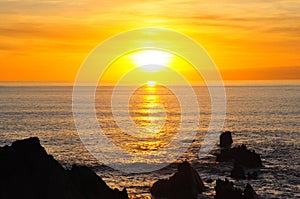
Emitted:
pixel 27 171
pixel 224 155
pixel 238 171
pixel 226 139
pixel 209 180
pixel 226 190
pixel 246 157
pixel 186 183
pixel 90 184
pixel 252 175
pixel 249 193
pixel 241 155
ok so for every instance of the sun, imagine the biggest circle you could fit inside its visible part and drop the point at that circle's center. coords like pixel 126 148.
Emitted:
pixel 151 83
pixel 151 60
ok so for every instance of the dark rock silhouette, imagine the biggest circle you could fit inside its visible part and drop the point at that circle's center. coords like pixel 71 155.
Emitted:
pixel 249 193
pixel 224 155
pixel 90 184
pixel 226 190
pixel 186 183
pixel 242 155
pixel 226 139
pixel 238 171
pixel 246 157
pixel 252 175
pixel 27 171
pixel 209 180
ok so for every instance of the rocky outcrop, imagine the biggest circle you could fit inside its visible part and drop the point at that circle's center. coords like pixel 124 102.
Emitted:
pixel 238 171
pixel 224 155
pixel 252 175
pixel 27 171
pixel 89 184
pixel 226 139
pixel 246 157
pixel 242 155
pixel 249 193
pixel 226 190
pixel 186 183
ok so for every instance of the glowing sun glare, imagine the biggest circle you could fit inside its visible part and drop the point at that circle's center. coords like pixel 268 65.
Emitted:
pixel 151 83
pixel 152 60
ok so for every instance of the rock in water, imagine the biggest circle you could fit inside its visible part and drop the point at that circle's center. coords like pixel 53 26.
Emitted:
pixel 238 171
pixel 246 157
pixel 27 171
pixel 226 190
pixel 185 183
pixel 252 175
pixel 226 139
pixel 90 184
pixel 249 193
pixel 242 155
pixel 224 155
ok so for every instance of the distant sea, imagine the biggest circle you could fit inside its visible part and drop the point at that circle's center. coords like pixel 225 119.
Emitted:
pixel 263 115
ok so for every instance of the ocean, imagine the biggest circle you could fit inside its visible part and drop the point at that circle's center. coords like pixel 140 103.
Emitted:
pixel 265 117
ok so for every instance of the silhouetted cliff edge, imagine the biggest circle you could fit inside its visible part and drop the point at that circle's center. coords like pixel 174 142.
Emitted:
pixel 27 171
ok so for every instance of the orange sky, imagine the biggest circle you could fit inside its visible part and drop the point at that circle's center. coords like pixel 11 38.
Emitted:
pixel 48 40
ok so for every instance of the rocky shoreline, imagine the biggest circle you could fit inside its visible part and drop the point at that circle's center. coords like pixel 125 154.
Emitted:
pixel 27 171
pixel 186 182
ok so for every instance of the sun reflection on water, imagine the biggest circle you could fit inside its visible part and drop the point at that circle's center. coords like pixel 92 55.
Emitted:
pixel 151 108
pixel 149 111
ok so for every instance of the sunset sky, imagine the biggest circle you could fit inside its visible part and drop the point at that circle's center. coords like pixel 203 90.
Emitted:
pixel 48 40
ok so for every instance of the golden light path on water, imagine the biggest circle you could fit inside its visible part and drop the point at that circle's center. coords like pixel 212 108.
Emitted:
pixel 152 107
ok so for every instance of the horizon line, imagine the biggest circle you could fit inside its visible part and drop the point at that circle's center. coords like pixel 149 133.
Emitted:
pixel 225 83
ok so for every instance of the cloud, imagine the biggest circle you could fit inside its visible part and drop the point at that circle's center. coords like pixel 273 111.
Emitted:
pixel 263 73
pixel 31 7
